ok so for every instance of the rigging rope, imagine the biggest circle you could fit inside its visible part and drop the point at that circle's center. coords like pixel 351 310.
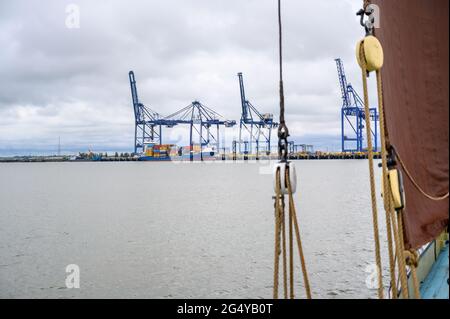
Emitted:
pixel 387 203
pixel 372 176
pixel 291 256
pixel 412 260
pixel 280 243
pixel 416 185
pixel 277 237
pixel 283 131
pixel 283 227
pixel 283 186
pixel 398 232
pixel 293 215
pixel 393 224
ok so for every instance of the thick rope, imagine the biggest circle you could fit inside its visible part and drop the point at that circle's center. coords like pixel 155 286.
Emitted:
pixel 283 131
pixel 386 188
pixel 366 3
pixel 412 260
pixel 393 281
pixel 400 254
pixel 297 236
pixel 416 185
pixel 391 224
pixel 388 205
pixel 400 229
pixel 283 227
pixel 277 237
pixel 291 257
pixel 372 177
pixel 280 232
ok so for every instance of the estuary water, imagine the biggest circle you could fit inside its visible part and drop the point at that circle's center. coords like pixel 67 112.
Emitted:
pixel 167 230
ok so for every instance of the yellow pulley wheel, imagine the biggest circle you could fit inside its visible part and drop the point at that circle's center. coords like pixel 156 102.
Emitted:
pixel 396 183
pixel 373 52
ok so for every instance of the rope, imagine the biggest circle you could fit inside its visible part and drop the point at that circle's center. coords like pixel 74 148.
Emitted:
pixel 372 177
pixel 402 249
pixel 283 131
pixel 393 281
pixel 291 257
pixel 283 226
pixel 280 47
pixel 391 224
pixel 280 216
pixel 297 236
pixel 399 252
pixel 277 237
pixel 416 185
pixel 410 257
pixel 387 203
pixel 280 232
pixel 412 260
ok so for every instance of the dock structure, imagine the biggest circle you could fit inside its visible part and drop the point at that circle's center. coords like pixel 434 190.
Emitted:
pixel 353 116
pixel 147 124
pixel 256 127
pixel 201 120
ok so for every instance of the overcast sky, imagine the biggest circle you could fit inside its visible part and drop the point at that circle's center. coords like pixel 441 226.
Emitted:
pixel 73 82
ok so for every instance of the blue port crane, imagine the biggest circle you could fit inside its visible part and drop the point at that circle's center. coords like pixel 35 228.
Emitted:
pixel 202 121
pixel 256 126
pixel 147 127
pixel 353 116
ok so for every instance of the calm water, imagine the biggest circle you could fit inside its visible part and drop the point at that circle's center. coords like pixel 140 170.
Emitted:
pixel 164 230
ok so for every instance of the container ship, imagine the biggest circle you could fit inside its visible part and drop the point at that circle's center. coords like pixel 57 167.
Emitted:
pixel 171 152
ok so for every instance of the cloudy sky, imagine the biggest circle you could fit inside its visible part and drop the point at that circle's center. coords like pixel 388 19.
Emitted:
pixel 72 83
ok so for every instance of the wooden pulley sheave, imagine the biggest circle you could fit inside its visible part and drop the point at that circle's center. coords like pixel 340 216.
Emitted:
pixel 373 53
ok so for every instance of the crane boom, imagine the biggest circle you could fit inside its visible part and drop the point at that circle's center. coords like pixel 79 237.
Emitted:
pixel 134 95
pixel 256 126
pixel 343 83
pixel 145 120
pixel 243 100
pixel 353 114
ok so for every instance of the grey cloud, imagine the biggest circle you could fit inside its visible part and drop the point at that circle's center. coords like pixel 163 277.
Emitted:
pixel 73 82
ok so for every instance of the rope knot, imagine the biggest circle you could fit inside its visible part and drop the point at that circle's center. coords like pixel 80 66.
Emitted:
pixel 412 258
